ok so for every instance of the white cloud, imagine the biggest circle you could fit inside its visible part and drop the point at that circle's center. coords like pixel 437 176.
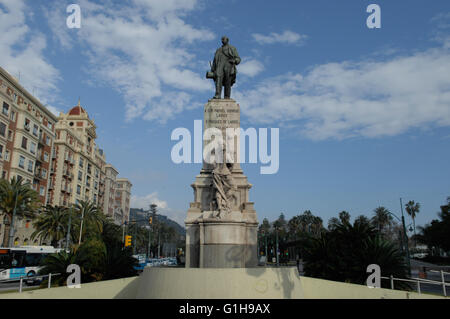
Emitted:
pixel 146 200
pixel 22 52
pixel 142 51
pixel 163 209
pixel 287 36
pixel 250 67
pixel 347 99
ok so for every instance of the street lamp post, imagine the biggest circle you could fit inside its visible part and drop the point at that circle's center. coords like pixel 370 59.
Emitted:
pixel 11 229
pixel 81 226
pixel 276 252
pixel 406 237
pixel 265 237
pixel 68 227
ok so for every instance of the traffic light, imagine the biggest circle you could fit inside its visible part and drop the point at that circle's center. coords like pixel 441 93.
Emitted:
pixel 150 220
pixel 127 240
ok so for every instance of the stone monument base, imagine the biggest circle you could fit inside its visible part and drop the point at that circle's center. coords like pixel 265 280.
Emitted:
pixel 228 242
pixel 225 283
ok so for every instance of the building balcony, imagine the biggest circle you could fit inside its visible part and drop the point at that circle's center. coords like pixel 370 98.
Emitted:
pixel 41 140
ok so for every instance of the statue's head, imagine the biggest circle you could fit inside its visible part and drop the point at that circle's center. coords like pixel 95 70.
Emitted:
pixel 225 40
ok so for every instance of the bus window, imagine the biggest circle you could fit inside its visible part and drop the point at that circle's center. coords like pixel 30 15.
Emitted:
pixel 17 259
pixel 5 260
pixel 34 260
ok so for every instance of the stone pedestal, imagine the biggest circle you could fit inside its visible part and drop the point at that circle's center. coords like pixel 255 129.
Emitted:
pixel 215 239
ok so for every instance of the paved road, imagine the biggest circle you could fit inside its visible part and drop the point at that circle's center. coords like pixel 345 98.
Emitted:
pixel 14 286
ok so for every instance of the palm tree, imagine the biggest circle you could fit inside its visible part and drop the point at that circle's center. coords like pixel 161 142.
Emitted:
pixel 51 223
pixel 333 222
pixel 91 218
pixel 57 264
pixel 344 217
pixel 413 209
pixel 362 220
pixel 343 253
pixel 381 218
pixel 18 196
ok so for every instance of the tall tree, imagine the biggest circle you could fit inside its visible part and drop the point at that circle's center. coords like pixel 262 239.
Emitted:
pixel 333 222
pixel 18 195
pixel 344 253
pixel 90 221
pixel 382 218
pixel 344 217
pixel 413 209
pixel 51 223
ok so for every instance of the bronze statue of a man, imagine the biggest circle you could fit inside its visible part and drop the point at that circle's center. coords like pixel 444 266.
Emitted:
pixel 224 68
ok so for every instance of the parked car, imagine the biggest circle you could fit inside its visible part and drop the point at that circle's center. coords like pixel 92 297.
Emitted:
pixel 419 255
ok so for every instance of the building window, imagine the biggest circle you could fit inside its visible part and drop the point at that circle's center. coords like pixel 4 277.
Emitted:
pixel 44 173
pixel 33 148
pixel 81 162
pixel 7 155
pixel 30 166
pixel 78 189
pixel 35 130
pixel 22 162
pixel 48 141
pixel 10 135
pixel 5 108
pixel 80 176
pixel 12 116
pixel 24 142
pixel 45 156
pixel 1 151
pixel 27 125
pixel 41 190
pixel 2 129
pixel 4 174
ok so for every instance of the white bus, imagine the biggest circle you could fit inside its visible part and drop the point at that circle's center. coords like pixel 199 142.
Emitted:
pixel 23 261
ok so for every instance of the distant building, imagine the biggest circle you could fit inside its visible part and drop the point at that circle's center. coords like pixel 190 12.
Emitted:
pixel 122 198
pixel 110 190
pixel 78 164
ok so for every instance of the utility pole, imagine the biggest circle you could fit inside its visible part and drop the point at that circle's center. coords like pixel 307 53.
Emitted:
pixel 152 228
pixel 68 228
pixel 81 227
pixel 406 237
pixel 265 237
pixel 159 242
pixel 276 252
pixel 135 232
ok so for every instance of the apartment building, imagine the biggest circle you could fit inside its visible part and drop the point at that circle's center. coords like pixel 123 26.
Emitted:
pixel 27 133
pixel 122 198
pixel 57 155
pixel 78 164
pixel 110 191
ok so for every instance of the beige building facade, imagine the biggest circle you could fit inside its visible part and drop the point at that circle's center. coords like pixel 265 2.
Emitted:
pixel 58 156
pixel 122 198
pixel 27 133
pixel 78 164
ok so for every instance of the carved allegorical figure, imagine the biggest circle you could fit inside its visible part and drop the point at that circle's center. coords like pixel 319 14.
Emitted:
pixel 223 69
pixel 223 189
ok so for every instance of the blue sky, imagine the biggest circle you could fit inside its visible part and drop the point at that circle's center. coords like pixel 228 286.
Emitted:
pixel 364 114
